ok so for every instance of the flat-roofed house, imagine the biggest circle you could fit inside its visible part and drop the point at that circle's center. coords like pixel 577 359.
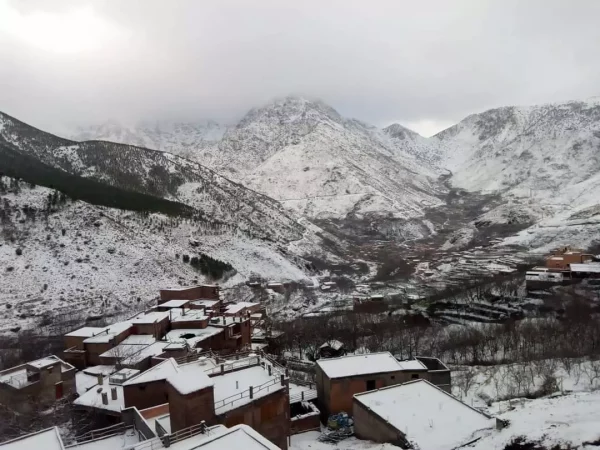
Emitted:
pixel 338 379
pixel 417 414
pixel 39 382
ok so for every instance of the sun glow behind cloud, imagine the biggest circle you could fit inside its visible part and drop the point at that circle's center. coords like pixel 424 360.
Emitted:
pixel 75 31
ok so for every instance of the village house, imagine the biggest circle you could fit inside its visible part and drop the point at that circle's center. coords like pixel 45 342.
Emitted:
pixel 416 413
pixel 338 379
pixel 134 342
pixel 251 390
pixel 36 384
pixel 564 266
pixel 210 292
pixel 135 434
pixel 242 309
pixel 563 258
pixel 84 346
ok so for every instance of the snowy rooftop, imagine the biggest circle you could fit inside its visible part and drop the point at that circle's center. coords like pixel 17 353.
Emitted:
pixel 427 415
pixel 412 364
pixel 237 307
pixel 174 304
pixel 150 317
pixel 47 439
pixel 108 333
pixel 49 361
pixel 93 398
pixel 230 389
pixel 208 303
pixel 192 335
pixel 86 332
pixel 589 268
pixel 190 315
pixel 237 437
pixel 161 371
pixel 354 365
pixel 224 321
pixel 190 381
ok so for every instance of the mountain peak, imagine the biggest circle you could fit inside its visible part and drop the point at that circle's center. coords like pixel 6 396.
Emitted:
pixel 398 131
pixel 293 109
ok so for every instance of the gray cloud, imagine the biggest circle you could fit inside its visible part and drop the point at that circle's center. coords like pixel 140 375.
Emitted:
pixel 381 61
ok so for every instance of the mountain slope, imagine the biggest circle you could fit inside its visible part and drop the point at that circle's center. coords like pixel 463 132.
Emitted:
pixel 544 161
pixel 74 259
pixel 159 174
pixel 196 141
pixel 306 155
pixel 520 148
pixel 322 165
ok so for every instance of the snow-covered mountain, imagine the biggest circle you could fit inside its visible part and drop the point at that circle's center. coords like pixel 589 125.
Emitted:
pixel 545 147
pixel 74 258
pixel 314 161
pixel 91 227
pixel 544 160
pixel 196 141
pixel 198 191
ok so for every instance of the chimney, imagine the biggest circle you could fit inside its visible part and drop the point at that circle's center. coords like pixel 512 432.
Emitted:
pixel 237 384
pixel 100 378
pixel 223 320
pixel 105 398
pixel 269 369
pixel 113 393
pixel 282 380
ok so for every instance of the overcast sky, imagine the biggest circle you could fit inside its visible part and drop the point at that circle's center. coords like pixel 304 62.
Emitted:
pixel 425 64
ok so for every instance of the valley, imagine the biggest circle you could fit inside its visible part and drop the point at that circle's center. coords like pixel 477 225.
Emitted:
pixel 292 193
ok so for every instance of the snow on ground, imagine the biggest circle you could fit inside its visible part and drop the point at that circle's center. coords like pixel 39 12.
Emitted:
pixel 479 386
pixel 308 441
pixel 552 421
pixel 100 261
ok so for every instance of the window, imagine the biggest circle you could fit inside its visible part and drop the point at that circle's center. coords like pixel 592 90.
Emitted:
pixel 371 385
pixel 415 376
pixel 142 387
pixel 393 377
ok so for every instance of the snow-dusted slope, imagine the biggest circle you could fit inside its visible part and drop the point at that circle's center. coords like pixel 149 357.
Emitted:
pixel 76 257
pixel 159 174
pixel 544 160
pixel 542 148
pixel 196 141
pixel 320 164
pixel 304 154
pixel 427 151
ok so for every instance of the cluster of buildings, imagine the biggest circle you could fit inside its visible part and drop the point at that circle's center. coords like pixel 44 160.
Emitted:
pixel 183 375
pixel 564 265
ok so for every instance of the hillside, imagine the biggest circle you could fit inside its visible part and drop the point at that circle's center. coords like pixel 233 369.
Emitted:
pixel 158 174
pixel 319 164
pixel 543 160
pixel 59 255
pixel 196 141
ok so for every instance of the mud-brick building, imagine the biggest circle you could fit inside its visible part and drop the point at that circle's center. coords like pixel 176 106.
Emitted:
pixel 417 413
pixel 338 379
pixel 252 390
pixel 36 383
pixel 210 292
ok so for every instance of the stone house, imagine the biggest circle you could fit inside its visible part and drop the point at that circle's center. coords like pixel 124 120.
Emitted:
pixel 39 382
pixel 416 413
pixel 338 379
